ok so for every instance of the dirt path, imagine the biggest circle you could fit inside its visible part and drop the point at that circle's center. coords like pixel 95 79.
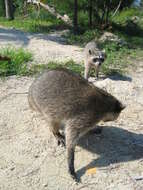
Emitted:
pixel 44 47
pixel 30 159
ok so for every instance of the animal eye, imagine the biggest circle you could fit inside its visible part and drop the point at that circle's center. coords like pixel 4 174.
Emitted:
pixel 90 52
pixel 95 59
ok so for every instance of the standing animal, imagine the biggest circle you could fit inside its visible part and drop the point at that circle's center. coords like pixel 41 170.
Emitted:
pixel 62 96
pixel 93 58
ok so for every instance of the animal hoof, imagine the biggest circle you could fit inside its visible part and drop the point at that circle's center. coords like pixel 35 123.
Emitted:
pixel 75 178
pixel 61 142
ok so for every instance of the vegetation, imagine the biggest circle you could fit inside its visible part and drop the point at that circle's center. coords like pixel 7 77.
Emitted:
pixel 33 25
pixel 20 58
pixel 18 64
pixel 128 26
pixel 126 23
pixel 96 12
pixel 36 69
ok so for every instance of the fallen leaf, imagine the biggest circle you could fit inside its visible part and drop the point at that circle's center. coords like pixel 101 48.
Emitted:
pixel 91 171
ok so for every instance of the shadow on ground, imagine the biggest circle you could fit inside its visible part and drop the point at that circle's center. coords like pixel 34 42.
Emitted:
pixel 112 74
pixel 23 38
pixel 119 77
pixel 116 145
pixel 116 77
pixel 11 35
pixel 52 37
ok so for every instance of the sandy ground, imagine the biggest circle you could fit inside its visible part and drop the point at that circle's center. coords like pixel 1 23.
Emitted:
pixel 45 48
pixel 29 156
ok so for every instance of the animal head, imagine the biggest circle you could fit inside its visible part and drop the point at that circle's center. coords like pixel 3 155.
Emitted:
pixel 114 111
pixel 106 104
pixel 97 57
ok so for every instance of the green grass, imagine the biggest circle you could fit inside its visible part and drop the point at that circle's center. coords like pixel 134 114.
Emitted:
pixel 83 38
pixel 33 25
pixel 128 24
pixel 127 14
pixel 17 65
pixel 119 56
pixel 20 66
pixel 36 69
pixel 20 58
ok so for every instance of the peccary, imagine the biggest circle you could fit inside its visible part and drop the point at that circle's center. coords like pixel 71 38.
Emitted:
pixel 62 96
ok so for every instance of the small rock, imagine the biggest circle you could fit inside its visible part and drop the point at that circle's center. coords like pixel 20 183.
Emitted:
pixel 108 36
pixel 12 168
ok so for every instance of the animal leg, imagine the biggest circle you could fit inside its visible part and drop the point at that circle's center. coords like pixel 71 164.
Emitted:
pixel 71 141
pixel 86 70
pixel 54 128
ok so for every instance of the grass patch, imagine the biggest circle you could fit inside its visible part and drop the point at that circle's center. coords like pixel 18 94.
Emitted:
pixel 115 63
pixel 108 68
pixel 125 15
pixel 33 25
pixel 119 56
pixel 82 38
pixel 128 25
pixel 36 69
pixel 18 63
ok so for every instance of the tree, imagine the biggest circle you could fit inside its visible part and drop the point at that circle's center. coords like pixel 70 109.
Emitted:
pixel 75 19
pixel 2 9
pixel 90 13
pixel 52 10
pixel 105 9
pixel 9 9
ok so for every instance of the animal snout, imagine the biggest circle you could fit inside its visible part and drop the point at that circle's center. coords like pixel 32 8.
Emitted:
pixel 102 59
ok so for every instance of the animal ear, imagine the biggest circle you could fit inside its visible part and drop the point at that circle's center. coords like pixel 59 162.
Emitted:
pixel 90 52
pixel 103 50
pixel 123 106
pixel 119 107
pixel 104 53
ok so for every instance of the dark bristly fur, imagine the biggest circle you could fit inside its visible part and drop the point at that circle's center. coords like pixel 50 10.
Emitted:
pixel 65 97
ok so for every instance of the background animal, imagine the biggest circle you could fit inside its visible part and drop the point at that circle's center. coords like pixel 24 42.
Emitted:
pixel 62 96
pixel 93 58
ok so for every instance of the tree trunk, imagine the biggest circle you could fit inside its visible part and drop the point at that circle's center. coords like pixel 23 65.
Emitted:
pixel 9 11
pixel 107 16
pixel 90 13
pixel 2 8
pixel 102 17
pixel 75 20
pixel 53 12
